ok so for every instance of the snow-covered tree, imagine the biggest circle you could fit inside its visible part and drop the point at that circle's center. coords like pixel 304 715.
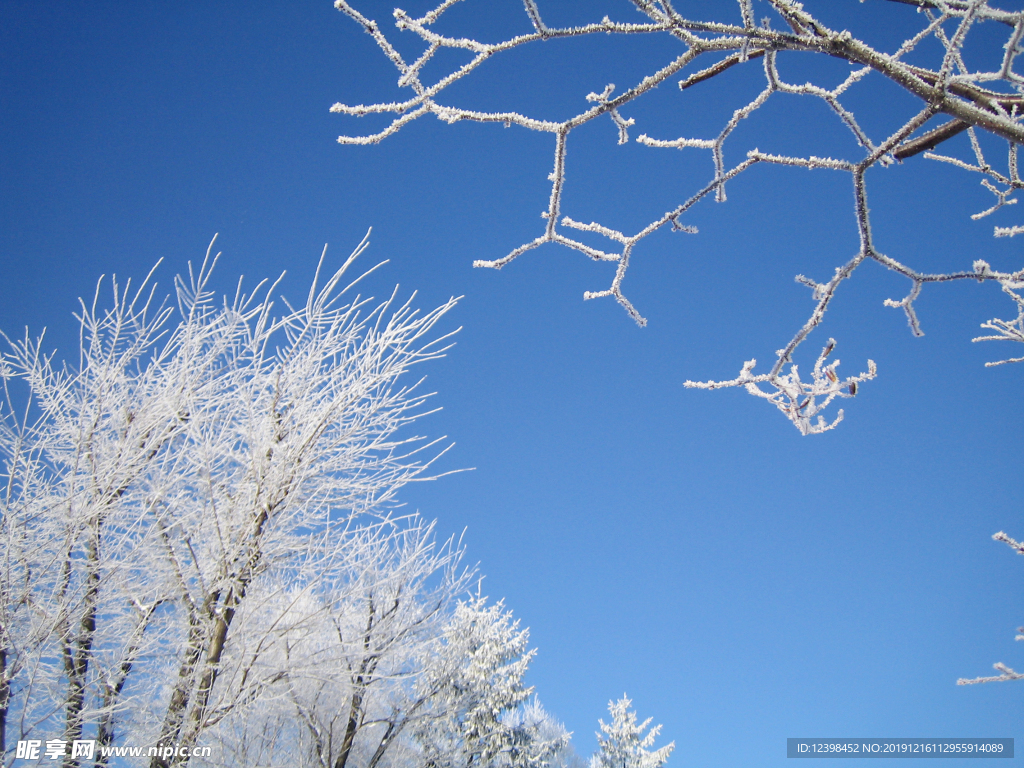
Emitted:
pixel 175 505
pixel 622 743
pixel 951 92
pixel 480 716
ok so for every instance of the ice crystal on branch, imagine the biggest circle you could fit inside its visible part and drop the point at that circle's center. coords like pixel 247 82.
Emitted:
pixel 952 99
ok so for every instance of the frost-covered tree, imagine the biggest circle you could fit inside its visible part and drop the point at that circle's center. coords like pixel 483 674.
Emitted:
pixel 952 92
pixel 622 743
pixel 184 506
pixel 349 651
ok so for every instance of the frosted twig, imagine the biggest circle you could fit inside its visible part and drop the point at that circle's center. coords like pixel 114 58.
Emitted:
pixel 801 402
pixel 622 124
pixel 1005 674
pixel 1002 198
pixel 907 303
pixel 1015 545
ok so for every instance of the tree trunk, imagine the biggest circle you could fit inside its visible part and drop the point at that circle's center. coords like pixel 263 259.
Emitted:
pixel 77 653
pixel 5 697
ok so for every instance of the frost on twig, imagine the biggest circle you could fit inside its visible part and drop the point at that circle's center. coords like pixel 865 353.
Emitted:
pixel 953 97
pixel 802 402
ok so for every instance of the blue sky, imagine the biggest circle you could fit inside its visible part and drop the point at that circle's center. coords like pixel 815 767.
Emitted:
pixel 743 584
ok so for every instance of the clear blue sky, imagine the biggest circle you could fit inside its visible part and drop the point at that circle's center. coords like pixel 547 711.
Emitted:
pixel 741 583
